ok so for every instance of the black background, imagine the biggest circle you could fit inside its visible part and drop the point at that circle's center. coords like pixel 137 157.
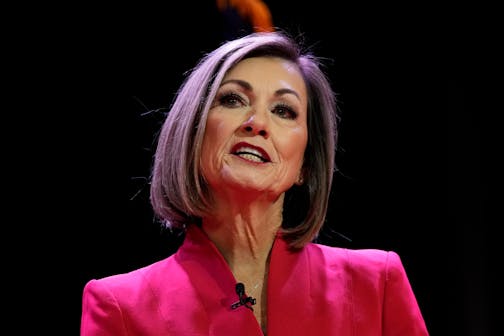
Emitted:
pixel 411 165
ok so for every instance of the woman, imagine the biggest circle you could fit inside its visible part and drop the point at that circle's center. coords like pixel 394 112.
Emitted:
pixel 244 165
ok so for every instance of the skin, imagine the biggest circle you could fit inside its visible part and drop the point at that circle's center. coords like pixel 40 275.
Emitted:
pixel 261 103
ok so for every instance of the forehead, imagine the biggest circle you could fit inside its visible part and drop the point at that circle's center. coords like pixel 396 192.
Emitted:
pixel 268 71
pixel 263 66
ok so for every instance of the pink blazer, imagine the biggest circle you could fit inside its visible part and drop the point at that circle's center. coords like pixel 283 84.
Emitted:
pixel 319 290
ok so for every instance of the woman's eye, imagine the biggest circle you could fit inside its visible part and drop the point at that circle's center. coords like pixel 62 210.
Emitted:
pixel 231 100
pixel 284 111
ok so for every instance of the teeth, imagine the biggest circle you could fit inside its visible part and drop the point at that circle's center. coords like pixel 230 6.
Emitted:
pixel 250 157
pixel 250 154
pixel 249 150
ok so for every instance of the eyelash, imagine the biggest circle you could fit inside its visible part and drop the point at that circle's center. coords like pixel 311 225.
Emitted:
pixel 234 100
pixel 289 110
pixel 224 99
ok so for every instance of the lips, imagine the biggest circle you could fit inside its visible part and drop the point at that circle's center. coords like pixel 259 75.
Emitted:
pixel 250 152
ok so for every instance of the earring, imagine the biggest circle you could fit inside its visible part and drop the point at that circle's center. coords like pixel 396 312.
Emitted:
pixel 300 180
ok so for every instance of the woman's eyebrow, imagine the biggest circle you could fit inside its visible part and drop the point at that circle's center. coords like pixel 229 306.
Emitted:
pixel 246 85
pixel 280 92
pixel 242 83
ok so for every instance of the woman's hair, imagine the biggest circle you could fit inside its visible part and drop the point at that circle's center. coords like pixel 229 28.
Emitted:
pixel 179 194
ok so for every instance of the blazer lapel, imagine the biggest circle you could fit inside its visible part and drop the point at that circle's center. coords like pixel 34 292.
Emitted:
pixel 215 286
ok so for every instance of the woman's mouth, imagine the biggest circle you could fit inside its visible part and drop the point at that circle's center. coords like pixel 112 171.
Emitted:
pixel 250 153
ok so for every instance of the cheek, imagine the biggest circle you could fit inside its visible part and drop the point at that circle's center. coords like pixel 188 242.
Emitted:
pixel 211 137
pixel 293 147
pixel 218 131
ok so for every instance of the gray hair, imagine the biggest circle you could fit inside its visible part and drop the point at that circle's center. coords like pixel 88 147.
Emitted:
pixel 179 194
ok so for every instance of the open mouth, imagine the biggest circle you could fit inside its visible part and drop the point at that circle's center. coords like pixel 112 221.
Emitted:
pixel 251 153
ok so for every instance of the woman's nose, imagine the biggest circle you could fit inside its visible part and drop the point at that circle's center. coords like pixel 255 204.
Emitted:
pixel 256 124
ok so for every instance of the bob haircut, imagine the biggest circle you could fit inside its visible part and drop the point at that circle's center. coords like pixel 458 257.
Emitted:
pixel 179 194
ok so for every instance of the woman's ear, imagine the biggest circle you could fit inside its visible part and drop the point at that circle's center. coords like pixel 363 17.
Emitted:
pixel 300 178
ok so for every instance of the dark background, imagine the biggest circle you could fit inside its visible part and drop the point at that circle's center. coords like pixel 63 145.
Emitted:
pixel 411 150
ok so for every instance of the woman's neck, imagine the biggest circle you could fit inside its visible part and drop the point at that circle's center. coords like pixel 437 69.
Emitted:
pixel 244 233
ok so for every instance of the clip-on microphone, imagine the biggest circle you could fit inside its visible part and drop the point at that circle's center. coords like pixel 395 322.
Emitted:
pixel 244 300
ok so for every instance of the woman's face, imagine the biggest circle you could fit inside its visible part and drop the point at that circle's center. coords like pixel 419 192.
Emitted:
pixel 256 132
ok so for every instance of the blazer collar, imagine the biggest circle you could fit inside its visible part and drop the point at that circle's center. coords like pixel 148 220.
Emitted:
pixel 288 285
